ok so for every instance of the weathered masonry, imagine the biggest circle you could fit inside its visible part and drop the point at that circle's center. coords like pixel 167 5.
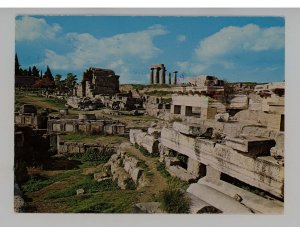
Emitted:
pixel 86 124
pixel 97 81
pixel 240 157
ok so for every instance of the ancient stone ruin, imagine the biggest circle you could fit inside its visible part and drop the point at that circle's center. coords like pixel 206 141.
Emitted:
pixel 97 81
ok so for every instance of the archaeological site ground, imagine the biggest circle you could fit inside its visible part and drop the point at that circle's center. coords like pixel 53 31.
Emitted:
pixel 168 136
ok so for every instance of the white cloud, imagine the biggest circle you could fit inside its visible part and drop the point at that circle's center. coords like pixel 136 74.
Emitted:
pixel 31 28
pixel 235 39
pixel 193 68
pixel 181 38
pixel 110 52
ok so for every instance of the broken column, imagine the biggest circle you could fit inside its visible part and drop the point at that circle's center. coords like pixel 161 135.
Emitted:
pixel 175 77
pixel 170 77
pixel 151 75
pixel 163 75
pixel 157 75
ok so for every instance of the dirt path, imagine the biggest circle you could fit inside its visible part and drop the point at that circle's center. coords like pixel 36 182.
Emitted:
pixel 157 181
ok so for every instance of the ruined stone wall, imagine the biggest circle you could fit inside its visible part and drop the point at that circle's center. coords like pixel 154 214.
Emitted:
pixel 262 172
pixel 86 126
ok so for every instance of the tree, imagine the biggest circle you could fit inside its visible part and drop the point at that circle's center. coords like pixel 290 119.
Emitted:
pixel 29 71
pixel 71 80
pixel 17 65
pixel 57 79
pixel 35 71
pixel 48 71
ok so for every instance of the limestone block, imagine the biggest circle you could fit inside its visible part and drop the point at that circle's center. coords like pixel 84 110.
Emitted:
pixel 136 174
pixel 198 206
pixel 139 137
pixel 255 202
pixel 69 128
pixel 217 199
pixel 275 152
pixel 181 173
pixel 150 144
pixel 238 102
pixel 132 135
pixel 232 129
pixel 190 129
pixel 212 173
pixel 256 146
pixel 222 117
pixel 193 166
pixel 80 191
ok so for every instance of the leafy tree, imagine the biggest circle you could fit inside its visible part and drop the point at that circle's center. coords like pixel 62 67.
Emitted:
pixel 57 79
pixel 48 71
pixel 29 71
pixel 71 80
pixel 17 65
pixel 35 71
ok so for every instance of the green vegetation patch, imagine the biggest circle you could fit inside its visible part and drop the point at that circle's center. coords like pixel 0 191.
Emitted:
pixel 94 155
pixel 88 184
pixel 121 201
pixel 36 183
pixel 94 138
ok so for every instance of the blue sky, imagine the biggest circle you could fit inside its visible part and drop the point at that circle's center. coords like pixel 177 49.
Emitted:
pixel 232 48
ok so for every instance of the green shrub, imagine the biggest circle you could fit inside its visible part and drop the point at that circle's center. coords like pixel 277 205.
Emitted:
pixel 174 201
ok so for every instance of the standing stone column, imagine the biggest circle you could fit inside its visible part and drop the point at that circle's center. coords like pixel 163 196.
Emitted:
pixel 175 77
pixel 151 76
pixel 170 78
pixel 157 75
pixel 163 76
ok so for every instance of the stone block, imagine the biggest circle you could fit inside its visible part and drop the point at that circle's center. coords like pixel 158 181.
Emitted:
pixel 69 127
pixel 132 135
pixel 256 146
pixel 189 129
pixel 193 166
pixel 212 173
pixel 222 117
pixel 80 191
pixel 155 132
pixel 150 144
pixel 136 174
pixel 181 173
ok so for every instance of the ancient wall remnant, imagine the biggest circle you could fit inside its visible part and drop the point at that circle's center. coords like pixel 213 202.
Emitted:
pixel 97 81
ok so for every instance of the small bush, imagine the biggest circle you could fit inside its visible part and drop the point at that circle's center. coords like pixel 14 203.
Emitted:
pixel 174 201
